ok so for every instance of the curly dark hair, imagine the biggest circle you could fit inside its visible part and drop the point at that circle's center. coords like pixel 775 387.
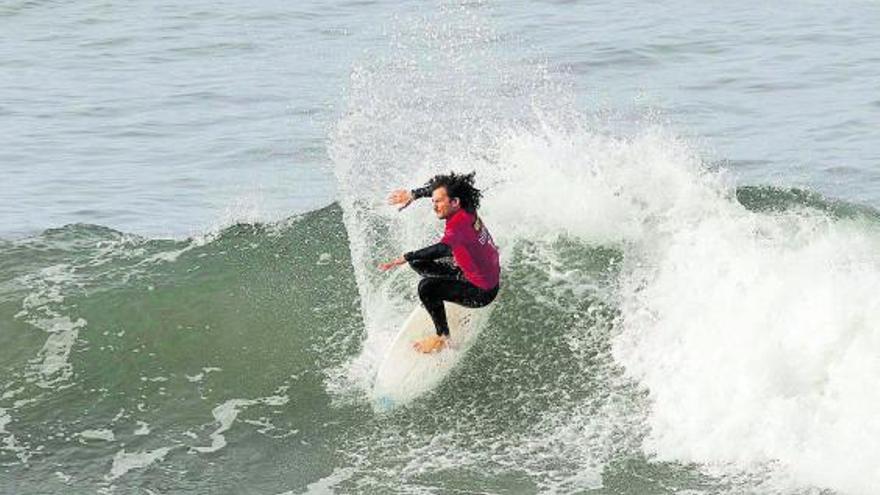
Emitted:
pixel 459 186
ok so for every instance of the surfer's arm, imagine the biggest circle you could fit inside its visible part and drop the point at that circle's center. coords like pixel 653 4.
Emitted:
pixel 433 252
pixel 439 250
pixel 421 192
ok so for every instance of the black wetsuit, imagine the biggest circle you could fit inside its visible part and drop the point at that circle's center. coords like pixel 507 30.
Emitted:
pixel 443 280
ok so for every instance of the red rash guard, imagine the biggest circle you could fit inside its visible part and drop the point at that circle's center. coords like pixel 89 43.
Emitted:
pixel 473 249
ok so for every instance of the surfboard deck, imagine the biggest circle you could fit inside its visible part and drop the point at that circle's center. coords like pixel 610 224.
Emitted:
pixel 406 373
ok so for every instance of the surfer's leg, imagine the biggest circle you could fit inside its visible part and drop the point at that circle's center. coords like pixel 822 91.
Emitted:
pixel 469 295
pixel 438 275
pixel 433 291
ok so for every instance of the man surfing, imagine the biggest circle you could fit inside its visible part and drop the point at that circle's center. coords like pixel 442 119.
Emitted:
pixel 463 267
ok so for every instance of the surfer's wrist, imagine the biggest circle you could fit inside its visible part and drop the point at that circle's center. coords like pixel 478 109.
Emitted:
pixel 420 192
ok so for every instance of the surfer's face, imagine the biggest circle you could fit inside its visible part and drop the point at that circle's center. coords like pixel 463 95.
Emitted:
pixel 444 206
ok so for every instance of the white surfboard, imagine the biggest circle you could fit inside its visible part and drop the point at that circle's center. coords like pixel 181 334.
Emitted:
pixel 406 373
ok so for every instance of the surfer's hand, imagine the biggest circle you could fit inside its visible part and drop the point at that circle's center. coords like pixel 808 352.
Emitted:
pixel 391 264
pixel 432 343
pixel 400 198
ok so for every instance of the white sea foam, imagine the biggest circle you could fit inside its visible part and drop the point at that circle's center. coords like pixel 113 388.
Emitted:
pixel 9 442
pixel 200 376
pixel 9 394
pixel 226 413
pixel 47 285
pixel 52 363
pixel 154 379
pixel 5 419
pixel 142 429
pixel 327 484
pixel 124 462
pixel 43 308
pixel 195 378
pixel 757 338
pixel 103 434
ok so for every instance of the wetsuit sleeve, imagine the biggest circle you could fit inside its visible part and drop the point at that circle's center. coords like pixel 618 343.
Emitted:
pixel 433 252
pixel 421 192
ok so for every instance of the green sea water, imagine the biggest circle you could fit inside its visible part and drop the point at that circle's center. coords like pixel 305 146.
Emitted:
pixel 215 365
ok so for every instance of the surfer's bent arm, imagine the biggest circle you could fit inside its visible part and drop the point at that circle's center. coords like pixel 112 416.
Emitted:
pixel 432 252
pixel 438 250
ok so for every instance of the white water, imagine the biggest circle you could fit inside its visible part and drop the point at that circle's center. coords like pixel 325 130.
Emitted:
pixel 757 337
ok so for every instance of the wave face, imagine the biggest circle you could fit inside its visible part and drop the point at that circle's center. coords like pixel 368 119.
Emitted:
pixel 712 340
pixel 131 363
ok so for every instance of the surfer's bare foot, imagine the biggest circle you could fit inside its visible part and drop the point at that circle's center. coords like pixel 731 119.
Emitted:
pixel 430 344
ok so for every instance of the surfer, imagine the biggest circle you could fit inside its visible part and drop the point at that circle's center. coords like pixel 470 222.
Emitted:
pixel 463 267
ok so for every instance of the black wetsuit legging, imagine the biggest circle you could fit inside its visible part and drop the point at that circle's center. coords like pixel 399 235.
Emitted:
pixel 443 281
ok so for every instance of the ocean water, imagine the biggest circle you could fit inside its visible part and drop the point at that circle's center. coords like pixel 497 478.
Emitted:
pixel 685 196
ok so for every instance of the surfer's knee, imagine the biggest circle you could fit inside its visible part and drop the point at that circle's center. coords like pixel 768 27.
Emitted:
pixel 427 289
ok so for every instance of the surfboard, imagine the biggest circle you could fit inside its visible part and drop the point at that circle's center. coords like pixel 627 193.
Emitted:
pixel 406 373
